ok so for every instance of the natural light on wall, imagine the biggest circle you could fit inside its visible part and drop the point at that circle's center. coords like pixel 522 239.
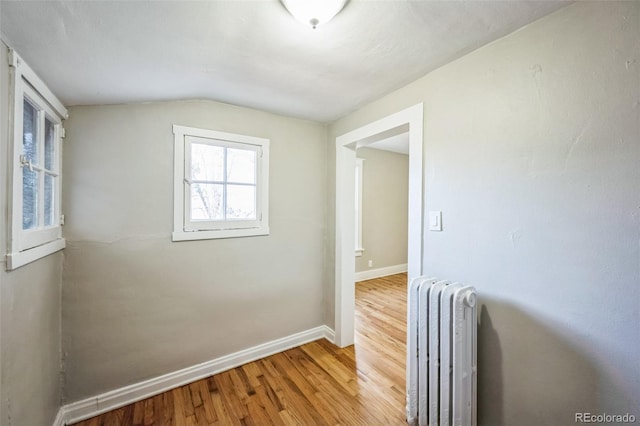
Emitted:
pixel 314 12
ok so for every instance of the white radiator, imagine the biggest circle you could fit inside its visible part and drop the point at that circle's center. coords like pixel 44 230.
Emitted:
pixel 441 354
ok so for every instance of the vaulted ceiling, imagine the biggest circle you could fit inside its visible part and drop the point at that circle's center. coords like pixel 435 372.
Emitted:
pixel 249 53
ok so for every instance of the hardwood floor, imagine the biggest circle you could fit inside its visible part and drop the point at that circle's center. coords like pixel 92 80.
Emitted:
pixel 314 384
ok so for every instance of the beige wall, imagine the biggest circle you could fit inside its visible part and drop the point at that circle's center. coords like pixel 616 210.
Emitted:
pixel 29 314
pixel 135 304
pixel 385 194
pixel 532 153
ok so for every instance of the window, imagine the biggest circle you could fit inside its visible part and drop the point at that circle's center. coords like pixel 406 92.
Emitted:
pixel 359 169
pixel 221 185
pixel 35 224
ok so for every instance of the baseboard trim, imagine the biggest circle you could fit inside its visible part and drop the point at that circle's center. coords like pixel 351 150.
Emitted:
pixel 329 334
pixel 90 407
pixel 59 420
pixel 380 272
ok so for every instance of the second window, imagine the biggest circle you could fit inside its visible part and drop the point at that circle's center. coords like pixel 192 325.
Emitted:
pixel 224 184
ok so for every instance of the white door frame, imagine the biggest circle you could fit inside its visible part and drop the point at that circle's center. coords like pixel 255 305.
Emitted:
pixel 345 208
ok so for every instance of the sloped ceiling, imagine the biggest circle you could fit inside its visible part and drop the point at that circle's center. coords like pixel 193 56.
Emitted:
pixel 249 53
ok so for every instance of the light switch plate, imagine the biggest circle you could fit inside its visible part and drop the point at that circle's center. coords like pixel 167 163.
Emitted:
pixel 435 221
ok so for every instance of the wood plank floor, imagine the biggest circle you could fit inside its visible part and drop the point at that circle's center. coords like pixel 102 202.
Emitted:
pixel 314 384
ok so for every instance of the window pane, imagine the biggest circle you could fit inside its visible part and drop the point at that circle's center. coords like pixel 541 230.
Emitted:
pixel 49 145
pixel 207 162
pixel 49 197
pixel 206 201
pixel 241 202
pixel 29 198
pixel 241 166
pixel 30 132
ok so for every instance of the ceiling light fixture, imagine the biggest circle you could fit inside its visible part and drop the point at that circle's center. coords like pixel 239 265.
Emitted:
pixel 314 12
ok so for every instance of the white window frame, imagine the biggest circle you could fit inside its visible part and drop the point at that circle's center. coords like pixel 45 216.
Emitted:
pixel 358 227
pixel 26 246
pixel 185 229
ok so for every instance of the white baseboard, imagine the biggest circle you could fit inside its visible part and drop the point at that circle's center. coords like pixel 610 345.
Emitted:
pixel 380 272
pixel 59 421
pixel 329 334
pixel 90 407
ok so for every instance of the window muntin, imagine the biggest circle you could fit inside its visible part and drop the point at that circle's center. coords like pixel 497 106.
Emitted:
pixel 224 185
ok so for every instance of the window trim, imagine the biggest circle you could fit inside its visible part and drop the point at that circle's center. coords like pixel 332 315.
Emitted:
pixel 183 231
pixel 26 246
pixel 358 228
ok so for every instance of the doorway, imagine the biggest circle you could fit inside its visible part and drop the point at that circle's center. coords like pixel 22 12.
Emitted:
pixel 411 120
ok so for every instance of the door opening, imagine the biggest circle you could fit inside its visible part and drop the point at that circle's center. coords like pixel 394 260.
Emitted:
pixel 411 120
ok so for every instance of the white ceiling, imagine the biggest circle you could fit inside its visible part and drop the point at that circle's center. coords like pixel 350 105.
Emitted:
pixel 250 53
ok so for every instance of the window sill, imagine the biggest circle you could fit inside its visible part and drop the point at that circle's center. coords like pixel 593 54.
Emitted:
pixel 223 233
pixel 359 252
pixel 16 260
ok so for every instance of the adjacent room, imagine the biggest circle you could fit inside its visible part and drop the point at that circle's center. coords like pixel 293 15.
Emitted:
pixel 211 210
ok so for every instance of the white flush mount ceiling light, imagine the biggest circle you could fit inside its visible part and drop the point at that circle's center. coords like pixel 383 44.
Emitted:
pixel 314 12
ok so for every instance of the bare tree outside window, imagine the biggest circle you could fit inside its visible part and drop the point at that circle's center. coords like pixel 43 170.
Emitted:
pixel 29 175
pixel 223 183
